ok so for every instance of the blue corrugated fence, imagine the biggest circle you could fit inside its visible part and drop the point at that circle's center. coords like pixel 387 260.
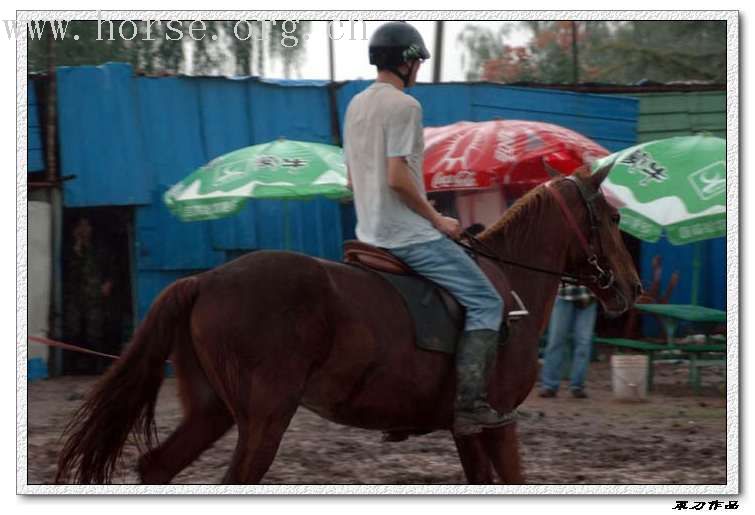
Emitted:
pixel 128 138
pixel 35 161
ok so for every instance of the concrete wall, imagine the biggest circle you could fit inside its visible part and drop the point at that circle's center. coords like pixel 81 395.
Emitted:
pixel 39 259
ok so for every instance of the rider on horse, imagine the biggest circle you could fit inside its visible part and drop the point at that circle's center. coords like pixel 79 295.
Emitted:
pixel 383 145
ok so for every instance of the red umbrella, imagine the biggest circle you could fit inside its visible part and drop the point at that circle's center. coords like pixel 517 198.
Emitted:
pixel 477 155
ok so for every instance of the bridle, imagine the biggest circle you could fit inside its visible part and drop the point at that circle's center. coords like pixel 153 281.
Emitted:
pixel 604 278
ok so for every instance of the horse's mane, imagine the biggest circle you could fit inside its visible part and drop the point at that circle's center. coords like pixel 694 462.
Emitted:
pixel 519 216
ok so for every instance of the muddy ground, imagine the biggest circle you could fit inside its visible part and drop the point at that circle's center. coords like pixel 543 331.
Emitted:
pixel 675 437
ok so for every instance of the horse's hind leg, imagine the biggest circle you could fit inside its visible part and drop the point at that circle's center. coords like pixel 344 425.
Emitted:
pixel 502 447
pixel 273 400
pixel 256 449
pixel 196 433
pixel 474 460
pixel 206 418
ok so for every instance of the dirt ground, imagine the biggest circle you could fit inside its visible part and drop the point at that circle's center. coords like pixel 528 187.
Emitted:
pixel 675 437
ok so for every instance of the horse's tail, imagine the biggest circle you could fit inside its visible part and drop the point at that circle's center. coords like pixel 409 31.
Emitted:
pixel 124 398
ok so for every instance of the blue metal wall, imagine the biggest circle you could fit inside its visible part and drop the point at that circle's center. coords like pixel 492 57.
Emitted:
pixel 34 159
pixel 680 258
pixel 612 124
pixel 100 134
pixel 128 138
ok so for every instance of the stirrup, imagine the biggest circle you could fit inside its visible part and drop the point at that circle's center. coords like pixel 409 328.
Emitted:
pixel 520 312
pixel 468 430
pixel 474 426
pixel 506 419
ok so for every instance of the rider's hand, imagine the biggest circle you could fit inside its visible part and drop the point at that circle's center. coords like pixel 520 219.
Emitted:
pixel 448 226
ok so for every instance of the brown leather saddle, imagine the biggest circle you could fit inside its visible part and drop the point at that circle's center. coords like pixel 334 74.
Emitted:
pixel 437 315
pixel 356 252
pixel 359 253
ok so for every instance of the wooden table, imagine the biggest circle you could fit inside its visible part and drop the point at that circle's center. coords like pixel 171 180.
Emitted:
pixel 705 319
pixel 673 314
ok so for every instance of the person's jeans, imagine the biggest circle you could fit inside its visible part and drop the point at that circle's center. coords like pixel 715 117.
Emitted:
pixel 446 263
pixel 565 318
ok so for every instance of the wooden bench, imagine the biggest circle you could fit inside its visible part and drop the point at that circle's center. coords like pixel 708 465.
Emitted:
pixel 717 357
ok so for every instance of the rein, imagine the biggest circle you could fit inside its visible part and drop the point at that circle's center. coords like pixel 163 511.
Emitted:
pixel 486 252
pixel 68 346
pixel 73 348
pixel 604 279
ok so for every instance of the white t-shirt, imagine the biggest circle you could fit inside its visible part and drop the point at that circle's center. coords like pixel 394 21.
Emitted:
pixel 381 122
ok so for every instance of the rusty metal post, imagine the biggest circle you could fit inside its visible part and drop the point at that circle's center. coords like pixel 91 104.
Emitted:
pixel 574 50
pixel 438 51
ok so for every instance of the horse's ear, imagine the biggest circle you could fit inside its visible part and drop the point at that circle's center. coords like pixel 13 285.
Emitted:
pixel 552 172
pixel 601 173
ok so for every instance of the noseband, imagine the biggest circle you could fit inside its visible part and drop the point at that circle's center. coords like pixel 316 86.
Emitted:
pixel 604 278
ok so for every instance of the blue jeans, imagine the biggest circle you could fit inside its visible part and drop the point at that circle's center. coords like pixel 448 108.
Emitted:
pixel 447 264
pixel 565 318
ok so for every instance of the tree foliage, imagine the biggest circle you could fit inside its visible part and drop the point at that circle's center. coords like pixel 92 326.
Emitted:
pixel 248 51
pixel 606 51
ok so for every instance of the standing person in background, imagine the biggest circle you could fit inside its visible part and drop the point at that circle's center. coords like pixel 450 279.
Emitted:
pixel 574 311
pixel 86 294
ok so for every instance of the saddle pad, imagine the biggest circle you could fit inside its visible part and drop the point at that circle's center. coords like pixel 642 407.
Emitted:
pixel 436 329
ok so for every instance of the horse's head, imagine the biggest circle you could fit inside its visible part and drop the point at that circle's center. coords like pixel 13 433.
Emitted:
pixel 597 252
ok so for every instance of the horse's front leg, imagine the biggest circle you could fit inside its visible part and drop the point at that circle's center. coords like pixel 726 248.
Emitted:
pixel 502 448
pixel 474 459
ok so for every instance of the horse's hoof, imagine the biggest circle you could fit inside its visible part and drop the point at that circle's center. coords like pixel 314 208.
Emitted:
pixel 395 436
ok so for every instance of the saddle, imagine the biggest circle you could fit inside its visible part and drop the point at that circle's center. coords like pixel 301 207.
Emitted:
pixel 360 253
pixel 438 317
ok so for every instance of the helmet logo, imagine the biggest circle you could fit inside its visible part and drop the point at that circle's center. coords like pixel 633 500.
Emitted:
pixel 412 52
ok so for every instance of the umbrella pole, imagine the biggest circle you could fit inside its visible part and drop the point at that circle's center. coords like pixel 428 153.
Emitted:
pixel 286 227
pixel 697 265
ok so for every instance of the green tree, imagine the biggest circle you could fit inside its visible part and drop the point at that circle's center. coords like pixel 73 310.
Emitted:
pixel 667 51
pixel 618 52
pixel 481 45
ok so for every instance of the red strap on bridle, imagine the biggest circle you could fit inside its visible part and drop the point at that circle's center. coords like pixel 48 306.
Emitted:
pixel 569 218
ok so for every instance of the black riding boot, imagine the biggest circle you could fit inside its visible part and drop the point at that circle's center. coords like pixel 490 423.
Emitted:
pixel 474 362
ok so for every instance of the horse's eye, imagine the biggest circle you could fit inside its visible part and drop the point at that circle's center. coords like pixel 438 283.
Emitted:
pixel 616 218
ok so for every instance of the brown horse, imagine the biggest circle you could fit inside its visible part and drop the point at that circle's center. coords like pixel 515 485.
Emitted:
pixel 254 339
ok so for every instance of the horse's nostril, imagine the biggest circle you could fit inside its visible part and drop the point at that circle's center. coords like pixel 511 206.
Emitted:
pixel 637 289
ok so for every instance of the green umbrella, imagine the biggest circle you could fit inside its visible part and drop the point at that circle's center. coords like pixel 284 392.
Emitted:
pixel 675 186
pixel 282 169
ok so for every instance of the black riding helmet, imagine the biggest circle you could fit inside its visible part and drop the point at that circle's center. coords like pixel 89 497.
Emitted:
pixel 395 43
